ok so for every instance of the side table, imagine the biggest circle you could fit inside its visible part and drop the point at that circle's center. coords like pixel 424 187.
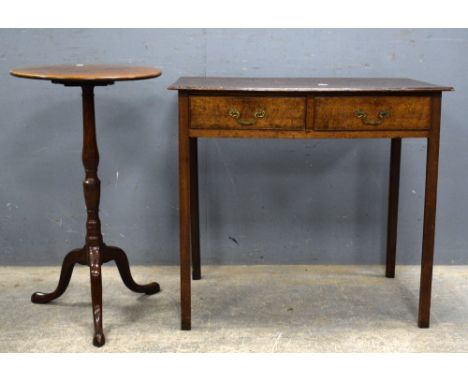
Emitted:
pixel 94 252
pixel 308 108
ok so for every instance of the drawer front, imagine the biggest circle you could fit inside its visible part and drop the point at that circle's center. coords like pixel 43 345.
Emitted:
pixel 371 113
pixel 247 112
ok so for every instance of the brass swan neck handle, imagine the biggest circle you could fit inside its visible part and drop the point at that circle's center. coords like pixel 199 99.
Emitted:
pixel 236 114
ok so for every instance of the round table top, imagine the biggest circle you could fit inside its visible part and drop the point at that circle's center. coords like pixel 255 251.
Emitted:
pixel 86 73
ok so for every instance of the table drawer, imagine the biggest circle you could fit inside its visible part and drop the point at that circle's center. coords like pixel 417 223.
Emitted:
pixel 371 113
pixel 247 112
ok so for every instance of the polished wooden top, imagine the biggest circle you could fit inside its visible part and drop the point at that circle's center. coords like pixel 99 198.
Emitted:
pixel 86 73
pixel 304 84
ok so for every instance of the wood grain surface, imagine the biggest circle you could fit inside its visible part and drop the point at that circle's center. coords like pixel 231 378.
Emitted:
pixel 404 113
pixel 265 84
pixel 85 72
pixel 284 113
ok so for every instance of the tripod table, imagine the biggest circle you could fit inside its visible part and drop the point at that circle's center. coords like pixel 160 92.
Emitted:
pixel 94 252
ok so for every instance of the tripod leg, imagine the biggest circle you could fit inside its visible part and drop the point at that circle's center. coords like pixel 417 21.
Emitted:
pixel 96 294
pixel 121 260
pixel 73 257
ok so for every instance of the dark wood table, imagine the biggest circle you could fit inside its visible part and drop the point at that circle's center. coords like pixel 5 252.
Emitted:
pixel 94 252
pixel 308 108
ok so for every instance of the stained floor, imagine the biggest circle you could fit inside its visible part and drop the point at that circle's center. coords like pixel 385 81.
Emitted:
pixel 263 308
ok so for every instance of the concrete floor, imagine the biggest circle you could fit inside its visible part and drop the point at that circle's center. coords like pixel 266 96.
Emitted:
pixel 240 309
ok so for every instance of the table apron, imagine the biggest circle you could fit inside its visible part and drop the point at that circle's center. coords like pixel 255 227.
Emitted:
pixel 310 116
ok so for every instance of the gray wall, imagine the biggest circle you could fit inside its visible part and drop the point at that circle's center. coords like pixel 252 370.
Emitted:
pixel 263 201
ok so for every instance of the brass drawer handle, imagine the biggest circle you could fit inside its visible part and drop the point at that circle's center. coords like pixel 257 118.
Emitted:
pixel 365 118
pixel 235 113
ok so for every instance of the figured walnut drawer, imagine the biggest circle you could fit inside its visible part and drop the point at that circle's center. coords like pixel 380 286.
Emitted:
pixel 247 112
pixel 371 113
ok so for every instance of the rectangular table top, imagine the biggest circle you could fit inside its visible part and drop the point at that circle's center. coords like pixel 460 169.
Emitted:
pixel 335 84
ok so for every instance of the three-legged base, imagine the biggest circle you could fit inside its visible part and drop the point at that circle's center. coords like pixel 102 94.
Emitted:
pixel 94 257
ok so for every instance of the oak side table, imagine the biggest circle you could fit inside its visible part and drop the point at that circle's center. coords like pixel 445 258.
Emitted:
pixel 307 108
pixel 95 252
